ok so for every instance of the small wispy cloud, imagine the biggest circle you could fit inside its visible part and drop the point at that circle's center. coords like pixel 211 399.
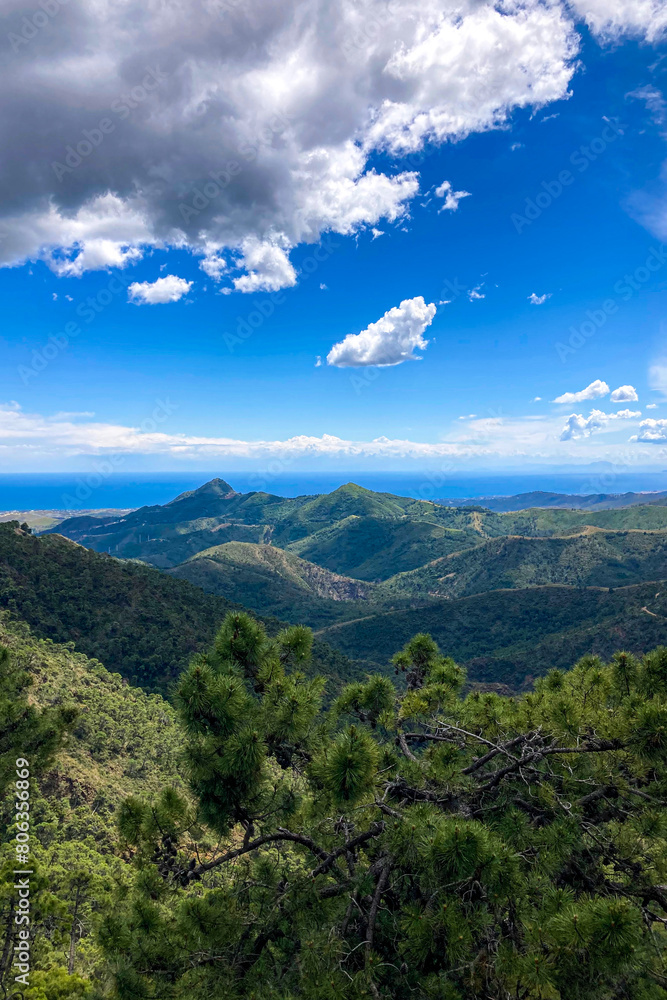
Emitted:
pixel 654 102
pixel 214 265
pixel 539 300
pixel 452 198
pixel 168 289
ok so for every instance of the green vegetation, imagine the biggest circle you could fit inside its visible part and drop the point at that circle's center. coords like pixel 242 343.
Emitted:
pixel 24 730
pixel 401 558
pixel 373 548
pixel 120 741
pixel 352 531
pixel 131 617
pixel 514 636
pixel 420 845
pixel 276 832
pixel 595 558
pixel 269 580
pixel 137 621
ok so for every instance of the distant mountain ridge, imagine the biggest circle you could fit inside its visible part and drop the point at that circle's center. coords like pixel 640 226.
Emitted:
pixel 352 531
pixel 539 498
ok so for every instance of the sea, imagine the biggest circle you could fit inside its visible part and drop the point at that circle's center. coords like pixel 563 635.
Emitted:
pixel 86 491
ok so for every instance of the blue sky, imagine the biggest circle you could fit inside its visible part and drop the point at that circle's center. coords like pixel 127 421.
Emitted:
pixel 179 383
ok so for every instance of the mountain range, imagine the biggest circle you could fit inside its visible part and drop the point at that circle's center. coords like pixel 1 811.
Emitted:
pixel 509 593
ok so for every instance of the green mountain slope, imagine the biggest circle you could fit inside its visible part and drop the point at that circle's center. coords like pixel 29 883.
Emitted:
pixel 352 531
pixel 594 558
pixel 270 580
pixel 513 636
pixel 138 621
pixel 372 548
pixel 123 742
pixel 133 618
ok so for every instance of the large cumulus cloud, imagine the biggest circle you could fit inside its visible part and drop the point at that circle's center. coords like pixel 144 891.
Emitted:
pixel 246 124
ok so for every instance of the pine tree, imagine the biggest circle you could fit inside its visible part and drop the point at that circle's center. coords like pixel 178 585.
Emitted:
pixel 412 845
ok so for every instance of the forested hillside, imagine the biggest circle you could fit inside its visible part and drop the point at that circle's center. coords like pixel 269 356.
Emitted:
pixel 118 741
pixel 246 844
pixel 594 558
pixel 514 636
pixel 137 621
pixel 272 581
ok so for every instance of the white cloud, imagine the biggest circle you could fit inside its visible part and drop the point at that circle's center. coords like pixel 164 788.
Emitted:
pixel 452 198
pixel 29 439
pixel 377 232
pixel 477 293
pixel 624 394
pixel 651 406
pixel 390 340
pixel 214 265
pixel 610 19
pixel 167 289
pixel 595 390
pixel 268 267
pixel 296 95
pixel 95 255
pixel 537 399
pixel 539 300
pixel 578 426
pixel 652 431
pixel 468 416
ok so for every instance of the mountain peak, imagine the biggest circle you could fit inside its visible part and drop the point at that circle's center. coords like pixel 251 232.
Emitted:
pixel 214 488
pixel 350 488
pixel 217 485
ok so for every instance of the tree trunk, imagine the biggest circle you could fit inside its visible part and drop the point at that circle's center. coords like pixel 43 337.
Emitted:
pixel 72 933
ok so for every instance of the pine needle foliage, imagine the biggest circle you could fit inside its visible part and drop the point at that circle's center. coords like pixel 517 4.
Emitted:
pixel 422 845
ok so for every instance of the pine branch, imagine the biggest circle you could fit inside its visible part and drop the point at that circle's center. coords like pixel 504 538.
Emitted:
pixel 404 747
pixel 596 746
pixel 270 838
pixel 375 905
pixel 375 830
